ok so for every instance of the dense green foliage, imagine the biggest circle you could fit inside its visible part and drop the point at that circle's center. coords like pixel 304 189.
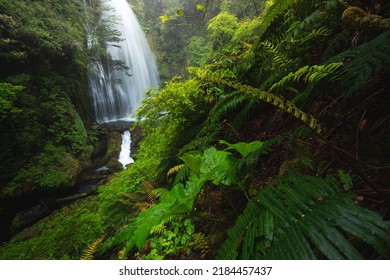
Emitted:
pixel 274 144
pixel 286 87
pixel 315 217
pixel 63 235
pixel 42 58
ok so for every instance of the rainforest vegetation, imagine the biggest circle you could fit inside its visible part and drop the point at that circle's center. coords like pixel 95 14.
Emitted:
pixel 269 137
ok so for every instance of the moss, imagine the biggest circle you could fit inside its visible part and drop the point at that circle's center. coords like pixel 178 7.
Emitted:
pixel 114 165
pixel 54 168
pixel 63 235
pixel 113 146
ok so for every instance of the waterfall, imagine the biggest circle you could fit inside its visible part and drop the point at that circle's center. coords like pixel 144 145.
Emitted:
pixel 116 94
pixel 124 156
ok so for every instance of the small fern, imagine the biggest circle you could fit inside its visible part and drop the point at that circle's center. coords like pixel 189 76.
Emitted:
pixel 158 229
pixel 224 107
pixel 92 248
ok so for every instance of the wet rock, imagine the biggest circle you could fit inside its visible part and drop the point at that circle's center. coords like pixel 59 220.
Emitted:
pixel 136 137
pixel 114 165
pixel 30 216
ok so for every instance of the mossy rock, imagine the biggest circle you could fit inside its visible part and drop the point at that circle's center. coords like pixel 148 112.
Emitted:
pixel 54 169
pixel 114 142
pixel 65 234
pixel 114 165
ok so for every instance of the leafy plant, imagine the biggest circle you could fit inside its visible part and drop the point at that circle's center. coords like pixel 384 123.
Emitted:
pixel 175 238
pixel 214 166
pixel 268 97
pixel 304 217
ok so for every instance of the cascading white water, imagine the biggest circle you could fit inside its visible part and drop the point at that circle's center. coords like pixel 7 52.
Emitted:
pixel 117 94
pixel 124 156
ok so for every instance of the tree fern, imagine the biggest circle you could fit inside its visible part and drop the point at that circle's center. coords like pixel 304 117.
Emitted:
pixel 300 217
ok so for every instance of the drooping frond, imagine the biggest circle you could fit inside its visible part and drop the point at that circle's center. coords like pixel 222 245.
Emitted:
pixel 230 248
pixel 301 216
pixel 270 98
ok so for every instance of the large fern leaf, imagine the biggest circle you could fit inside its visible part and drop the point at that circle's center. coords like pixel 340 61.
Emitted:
pixel 364 61
pixel 304 217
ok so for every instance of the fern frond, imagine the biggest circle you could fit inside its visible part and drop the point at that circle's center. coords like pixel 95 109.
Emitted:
pixel 320 32
pixel 309 74
pixel 224 107
pixel 278 57
pixel 229 249
pixel 270 98
pixel 149 188
pixel 158 229
pixel 364 61
pixel 279 7
pixel 92 249
pixel 142 205
pixel 300 215
pixel 201 244
pixel 160 192
pixel 174 169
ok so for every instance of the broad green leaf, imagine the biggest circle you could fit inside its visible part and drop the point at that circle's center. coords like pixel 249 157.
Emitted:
pixel 243 148
pixel 219 167
pixel 193 161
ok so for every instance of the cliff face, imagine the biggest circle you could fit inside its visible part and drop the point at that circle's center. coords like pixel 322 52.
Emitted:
pixel 43 83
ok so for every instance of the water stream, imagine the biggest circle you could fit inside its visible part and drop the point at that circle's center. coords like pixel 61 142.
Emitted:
pixel 124 156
